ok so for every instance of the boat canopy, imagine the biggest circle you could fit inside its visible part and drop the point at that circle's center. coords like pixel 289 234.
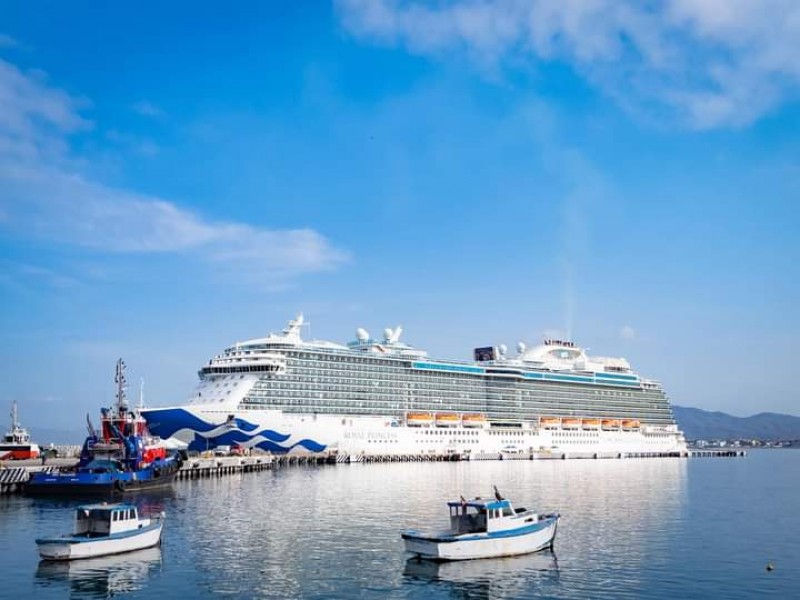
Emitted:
pixel 481 503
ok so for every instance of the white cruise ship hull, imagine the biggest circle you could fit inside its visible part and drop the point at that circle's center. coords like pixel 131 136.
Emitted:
pixel 204 428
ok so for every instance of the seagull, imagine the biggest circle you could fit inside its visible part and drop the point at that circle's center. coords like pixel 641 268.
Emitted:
pixel 497 494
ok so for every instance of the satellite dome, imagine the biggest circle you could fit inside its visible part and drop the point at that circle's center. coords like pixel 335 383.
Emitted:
pixel 362 335
pixel 503 349
pixel 387 334
pixel 521 347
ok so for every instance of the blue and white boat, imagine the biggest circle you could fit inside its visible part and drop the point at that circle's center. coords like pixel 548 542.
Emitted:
pixel 484 528
pixel 101 530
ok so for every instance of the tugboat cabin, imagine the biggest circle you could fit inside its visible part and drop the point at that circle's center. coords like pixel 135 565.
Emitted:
pixel 103 520
pixel 484 515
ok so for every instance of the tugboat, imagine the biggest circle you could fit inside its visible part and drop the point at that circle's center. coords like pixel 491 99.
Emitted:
pixel 17 444
pixel 121 457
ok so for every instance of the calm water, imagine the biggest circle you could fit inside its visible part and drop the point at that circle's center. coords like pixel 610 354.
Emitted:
pixel 647 528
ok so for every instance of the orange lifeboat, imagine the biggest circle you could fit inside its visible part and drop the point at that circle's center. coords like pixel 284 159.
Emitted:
pixel 630 423
pixel 591 423
pixel 570 423
pixel 447 419
pixel 473 420
pixel 549 422
pixel 610 424
pixel 416 419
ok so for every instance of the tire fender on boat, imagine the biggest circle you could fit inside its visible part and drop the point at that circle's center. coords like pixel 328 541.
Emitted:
pixel 120 485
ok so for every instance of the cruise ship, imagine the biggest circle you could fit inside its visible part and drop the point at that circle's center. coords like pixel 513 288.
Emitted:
pixel 282 393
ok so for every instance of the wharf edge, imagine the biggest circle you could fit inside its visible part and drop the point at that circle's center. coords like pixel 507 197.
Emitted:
pixel 14 479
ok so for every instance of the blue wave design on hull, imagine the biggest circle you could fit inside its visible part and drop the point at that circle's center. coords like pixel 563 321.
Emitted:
pixel 201 443
pixel 166 422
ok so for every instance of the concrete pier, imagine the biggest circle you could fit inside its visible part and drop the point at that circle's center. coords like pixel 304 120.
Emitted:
pixel 14 475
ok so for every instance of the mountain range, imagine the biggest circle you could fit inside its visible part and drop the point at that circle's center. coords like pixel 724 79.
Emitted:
pixel 698 424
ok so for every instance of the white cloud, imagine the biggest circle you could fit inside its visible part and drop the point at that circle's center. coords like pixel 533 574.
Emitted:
pixel 44 196
pixel 709 63
pixel 147 109
pixel 627 332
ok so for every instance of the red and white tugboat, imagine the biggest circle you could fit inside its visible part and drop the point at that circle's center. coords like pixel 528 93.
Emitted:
pixel 17 443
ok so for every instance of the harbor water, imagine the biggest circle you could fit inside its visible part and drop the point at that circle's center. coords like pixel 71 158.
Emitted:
pixel 637 528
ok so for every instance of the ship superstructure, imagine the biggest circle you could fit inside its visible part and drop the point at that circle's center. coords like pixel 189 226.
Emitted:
pixel 282 392
pixel 16 444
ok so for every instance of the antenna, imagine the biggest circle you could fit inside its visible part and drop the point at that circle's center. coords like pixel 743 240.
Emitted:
pixel 119 379
pixel 14 423
pixel 141 393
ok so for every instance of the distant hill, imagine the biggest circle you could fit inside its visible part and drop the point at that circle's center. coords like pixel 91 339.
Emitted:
pixel 698 424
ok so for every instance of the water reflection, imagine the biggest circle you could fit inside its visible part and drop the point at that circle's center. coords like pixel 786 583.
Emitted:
pixel 630 529
pixel 100 577
pixel 532 575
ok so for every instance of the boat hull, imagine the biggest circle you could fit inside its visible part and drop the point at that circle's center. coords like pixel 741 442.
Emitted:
pixel 19 452
pixel 486 545
pixel 201 429
pixel 71 548
pixel 97 485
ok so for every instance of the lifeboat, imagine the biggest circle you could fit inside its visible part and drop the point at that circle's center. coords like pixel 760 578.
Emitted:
pixel 473 420
pixel 416 419
pixel 610 424
pixel 549 422
pixel 630 423
pixel 570 423
pixel 447 419
pixel 591 423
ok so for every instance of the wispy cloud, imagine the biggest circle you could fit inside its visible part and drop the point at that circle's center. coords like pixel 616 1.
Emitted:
pixel 6 41
pixel 709 63
pixel 147 109
pixel 44 196
pixel 627 332
pixel 21 274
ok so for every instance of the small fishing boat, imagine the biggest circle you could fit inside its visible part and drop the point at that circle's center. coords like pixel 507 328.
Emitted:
pixel 101 530
pixel 484 528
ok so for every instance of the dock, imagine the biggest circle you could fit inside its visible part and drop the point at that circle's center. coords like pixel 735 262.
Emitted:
pixel 717 453
pixel 13 478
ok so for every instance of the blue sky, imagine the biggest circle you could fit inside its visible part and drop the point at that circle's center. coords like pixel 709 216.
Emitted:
pixel 175 178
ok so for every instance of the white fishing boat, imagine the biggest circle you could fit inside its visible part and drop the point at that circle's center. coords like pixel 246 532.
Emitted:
pixel 484 528
pixel 101 530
